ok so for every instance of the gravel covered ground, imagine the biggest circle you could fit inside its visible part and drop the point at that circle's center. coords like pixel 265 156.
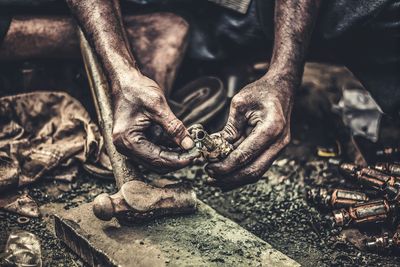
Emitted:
pixel 274 209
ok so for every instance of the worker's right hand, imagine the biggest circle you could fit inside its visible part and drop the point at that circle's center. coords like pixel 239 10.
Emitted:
pixel 139 102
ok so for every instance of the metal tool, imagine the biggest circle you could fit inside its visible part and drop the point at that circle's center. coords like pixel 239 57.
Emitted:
pixel 123 169
pixel 213 147
pixel 137 201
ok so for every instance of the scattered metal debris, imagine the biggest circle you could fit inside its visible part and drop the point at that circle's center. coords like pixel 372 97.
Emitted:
pixel 338 198
pixel 23 249
pixel 371 211
pixel 382 205
pixel 23 220
pixel 213 147
pixel 389 168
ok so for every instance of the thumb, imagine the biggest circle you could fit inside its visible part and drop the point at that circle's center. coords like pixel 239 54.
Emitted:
pixel 176 130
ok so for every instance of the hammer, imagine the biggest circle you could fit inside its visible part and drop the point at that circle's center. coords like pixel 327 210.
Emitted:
pixel 135 201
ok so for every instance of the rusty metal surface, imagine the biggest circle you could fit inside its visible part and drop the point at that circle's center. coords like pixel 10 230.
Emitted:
pixel 202 239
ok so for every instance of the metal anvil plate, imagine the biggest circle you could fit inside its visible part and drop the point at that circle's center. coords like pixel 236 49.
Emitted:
pixel 202 239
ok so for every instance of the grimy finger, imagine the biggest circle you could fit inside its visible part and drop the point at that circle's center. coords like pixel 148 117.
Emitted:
pixel 174 128
pixel 137 147
pixel 251 173
pixel 263 134
pixel 234 126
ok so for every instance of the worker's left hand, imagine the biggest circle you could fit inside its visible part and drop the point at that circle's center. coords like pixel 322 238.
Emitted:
pixel 263 106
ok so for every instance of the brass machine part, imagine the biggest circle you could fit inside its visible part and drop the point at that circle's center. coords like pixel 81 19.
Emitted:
pixel 369 177
pixel 384 241
pixel 137 202
pixel 213 146
pixel 368 212
pixel 389 168
pixel 337 198
pixel 341 198
pixel 123 169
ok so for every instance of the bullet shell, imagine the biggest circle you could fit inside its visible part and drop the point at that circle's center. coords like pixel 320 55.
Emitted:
pixel 336 198
pixel 384 241
pixel 368 212
pixel 389 168
pixel 379 242
pixel 341 198
pixel 369 177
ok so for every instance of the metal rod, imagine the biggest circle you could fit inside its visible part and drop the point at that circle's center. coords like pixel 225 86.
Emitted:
pixel 124 170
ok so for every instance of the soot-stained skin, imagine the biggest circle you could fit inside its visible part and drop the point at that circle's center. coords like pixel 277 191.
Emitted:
pixel 264 106
pixel 138 101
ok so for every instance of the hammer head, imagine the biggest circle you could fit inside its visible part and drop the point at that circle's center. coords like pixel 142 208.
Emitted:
pixel 103 207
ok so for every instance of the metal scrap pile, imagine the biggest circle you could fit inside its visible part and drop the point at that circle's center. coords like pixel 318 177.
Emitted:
pixel 370 201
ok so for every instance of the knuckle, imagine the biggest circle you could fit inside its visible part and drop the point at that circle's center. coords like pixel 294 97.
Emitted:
pixel 175 128
pixel 237 102
pixel 156 99
pixel 230 130
pixel 241 156
pixel 123 138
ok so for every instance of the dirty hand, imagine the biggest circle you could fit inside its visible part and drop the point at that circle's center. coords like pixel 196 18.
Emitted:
pixel 263 107
pixel 138 103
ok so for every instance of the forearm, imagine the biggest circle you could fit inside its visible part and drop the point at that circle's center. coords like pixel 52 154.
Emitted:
pixel 101 22
pixel 294 23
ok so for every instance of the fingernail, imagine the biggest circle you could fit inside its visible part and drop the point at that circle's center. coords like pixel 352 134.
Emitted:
pixel 187 143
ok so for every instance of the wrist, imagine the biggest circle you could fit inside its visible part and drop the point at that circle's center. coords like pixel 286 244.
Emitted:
pixel 287 72
pixel 280 84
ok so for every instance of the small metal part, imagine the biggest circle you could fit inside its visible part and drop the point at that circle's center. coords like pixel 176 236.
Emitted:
pixel 337 198
pixel 372 211
pixel 23 220
pixel 389 168
pixel 379 242
pixel 369 177
pixel 200 137
pixel 213 147
pixel 341 198
pixel 384 241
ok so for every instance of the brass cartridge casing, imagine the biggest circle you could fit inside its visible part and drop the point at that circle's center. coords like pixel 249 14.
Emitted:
pixel 372 211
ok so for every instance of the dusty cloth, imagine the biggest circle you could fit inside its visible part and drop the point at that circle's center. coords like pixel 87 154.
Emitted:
pixel 44 132
pixel 20 204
